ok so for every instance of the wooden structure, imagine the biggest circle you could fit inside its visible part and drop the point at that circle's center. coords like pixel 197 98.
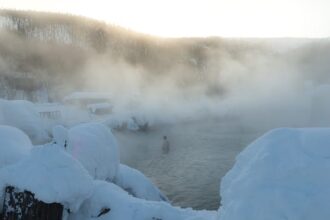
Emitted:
pixel 22 205
pixel 83 99
pixel 56 114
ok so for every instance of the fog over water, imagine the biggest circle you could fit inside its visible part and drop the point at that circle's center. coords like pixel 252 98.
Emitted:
pixel 210 96
pixel 201 152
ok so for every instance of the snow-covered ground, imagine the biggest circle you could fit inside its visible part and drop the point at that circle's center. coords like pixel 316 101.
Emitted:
pixel 14 145
pixel 52 175
pixel 282 175
pixel 23 115
pixel 123 206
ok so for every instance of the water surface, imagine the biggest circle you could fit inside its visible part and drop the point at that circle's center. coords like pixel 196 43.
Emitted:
pixel 201 152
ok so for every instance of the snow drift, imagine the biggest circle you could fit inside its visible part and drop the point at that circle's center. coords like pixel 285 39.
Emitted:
pixel 23 115
pixel 14 145
pixel 52 175
pixel 137 184
pixel 107 196
pixel 282 175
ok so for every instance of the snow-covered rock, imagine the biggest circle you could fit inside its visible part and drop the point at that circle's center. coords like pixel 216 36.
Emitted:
pixel 137 184
pixel 14 145
pixel 23 115
pixel 115 203
pixel 52 175
pixel 94 145
pixel 282 175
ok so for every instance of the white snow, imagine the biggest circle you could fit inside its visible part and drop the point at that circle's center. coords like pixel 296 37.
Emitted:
pixel 282 175
pixel 23 115
pixel 14 145
pixel 125 207
pixel 94 145
pixel 52 174
pixel 137 184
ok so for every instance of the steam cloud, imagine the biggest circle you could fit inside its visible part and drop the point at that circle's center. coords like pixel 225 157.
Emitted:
pixel 266 83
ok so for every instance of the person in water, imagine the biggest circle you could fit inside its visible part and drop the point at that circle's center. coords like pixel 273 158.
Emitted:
pixel 166 145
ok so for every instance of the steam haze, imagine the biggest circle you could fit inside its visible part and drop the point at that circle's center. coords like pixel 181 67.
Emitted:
pixel 204 93
pixel 267 82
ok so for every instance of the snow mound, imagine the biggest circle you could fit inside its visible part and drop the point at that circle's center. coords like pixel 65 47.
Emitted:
pixel 52 174
pixel 95 147
pixel 137 184
pixel 282 175
pixel 14 145
pixel 115 203
pixel 23 115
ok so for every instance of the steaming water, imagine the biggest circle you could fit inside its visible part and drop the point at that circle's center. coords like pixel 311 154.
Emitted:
pixel 201 154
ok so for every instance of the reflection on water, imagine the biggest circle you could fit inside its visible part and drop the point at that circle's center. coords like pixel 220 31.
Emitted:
pixel 201 153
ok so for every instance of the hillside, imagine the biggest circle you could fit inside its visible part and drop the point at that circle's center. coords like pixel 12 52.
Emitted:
pixel 58 54
pixel 53 47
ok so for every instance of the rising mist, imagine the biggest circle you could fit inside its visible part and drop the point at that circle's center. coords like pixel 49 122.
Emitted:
pixel 191 89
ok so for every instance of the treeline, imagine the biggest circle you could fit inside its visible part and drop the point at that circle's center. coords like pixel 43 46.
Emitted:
pixel 57 46
pixel 57 49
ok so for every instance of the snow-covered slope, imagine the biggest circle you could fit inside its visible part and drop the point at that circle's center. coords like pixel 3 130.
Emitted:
pixel 282 175
pixel 122 206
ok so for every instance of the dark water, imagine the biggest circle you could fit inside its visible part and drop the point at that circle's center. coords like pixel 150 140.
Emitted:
pixel 201 152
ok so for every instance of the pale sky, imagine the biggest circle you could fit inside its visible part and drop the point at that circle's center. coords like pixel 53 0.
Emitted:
pixel 178 18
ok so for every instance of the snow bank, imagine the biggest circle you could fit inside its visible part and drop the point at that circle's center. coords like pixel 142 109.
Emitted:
pixel 23 115
pixel 282 175
pixel 120 205
pixel 137 184
pixel 95 147
pixel 14 145
pixel 52 174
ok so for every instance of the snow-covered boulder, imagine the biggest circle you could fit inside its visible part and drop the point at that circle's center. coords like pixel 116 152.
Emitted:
pixel 14 145
pixel 94 145
pixel 52 175
pixel 137 184
pixel 282 175
pixel 23 115
pixel 110 202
